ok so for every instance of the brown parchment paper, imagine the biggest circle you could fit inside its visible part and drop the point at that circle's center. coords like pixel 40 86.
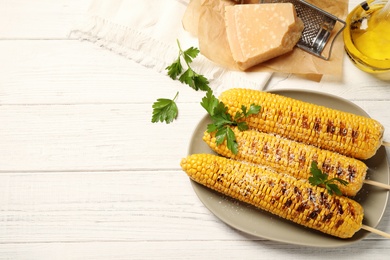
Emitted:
pixel 205 20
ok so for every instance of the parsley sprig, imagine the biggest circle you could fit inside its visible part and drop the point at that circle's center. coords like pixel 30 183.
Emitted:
pixel 165 110
pixel 189 76
pixel 222 120
pixel 321 179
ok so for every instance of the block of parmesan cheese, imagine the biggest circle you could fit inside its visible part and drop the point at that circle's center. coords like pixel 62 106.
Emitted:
pixel 259 32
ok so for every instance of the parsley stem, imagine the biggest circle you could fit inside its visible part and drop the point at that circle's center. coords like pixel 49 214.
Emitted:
pixel 178 44
pixel 177 94
pixel 181 53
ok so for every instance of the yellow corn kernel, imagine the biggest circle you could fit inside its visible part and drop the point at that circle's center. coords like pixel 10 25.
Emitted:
pixel 294 158
pixel 282 195
pixel 345 133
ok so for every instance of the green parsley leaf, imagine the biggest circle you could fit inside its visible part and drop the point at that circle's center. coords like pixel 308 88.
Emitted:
pixel 342 182
pixel 231 141
pixel 175 69
pixel 321 179
pixel 226 133
pixel 194 80
pixel 253 110
pixel 239 115
pixel 190 54
pixel 200 82
pixel 220 116
pixel 318 177
pixel 211 128
pixel 221 110
pixel 209 102
pixel 222 120
pixel 221 134
pixel 243 109
pixel 165 110
pixel 333 189
pixel 242 126
pixel 189 77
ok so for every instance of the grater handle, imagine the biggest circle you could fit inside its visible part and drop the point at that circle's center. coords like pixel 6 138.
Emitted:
pixel 334 39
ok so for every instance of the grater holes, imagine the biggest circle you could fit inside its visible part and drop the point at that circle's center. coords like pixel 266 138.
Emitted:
pixel 318 26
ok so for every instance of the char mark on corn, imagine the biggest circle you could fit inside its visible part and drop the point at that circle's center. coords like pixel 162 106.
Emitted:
pixel 291 157
pixel 349 134
pixel 282 195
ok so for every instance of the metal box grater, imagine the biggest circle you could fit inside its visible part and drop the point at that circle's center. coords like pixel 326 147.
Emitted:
pixel 319 25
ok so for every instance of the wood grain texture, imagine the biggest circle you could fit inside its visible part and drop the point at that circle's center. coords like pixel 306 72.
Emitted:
pixel 84 174
pixel 74 72
pixel 109 206
pixel 185 250
pixel 92 137
pixel 101 137
pixel 81 72
pixel 43 19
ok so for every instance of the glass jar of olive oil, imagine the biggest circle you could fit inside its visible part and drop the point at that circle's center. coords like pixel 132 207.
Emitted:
pixel 367 38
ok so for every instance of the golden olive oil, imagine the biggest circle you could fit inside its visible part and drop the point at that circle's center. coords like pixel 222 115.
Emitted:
pixel 373 38
pixel 367 38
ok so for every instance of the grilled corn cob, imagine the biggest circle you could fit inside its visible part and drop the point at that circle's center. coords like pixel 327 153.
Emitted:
pixel 292 157
pixel 282 195
pixel 345 133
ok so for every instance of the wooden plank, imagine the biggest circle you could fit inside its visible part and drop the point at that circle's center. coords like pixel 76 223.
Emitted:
pixel 104 206
pixel 188 249
pixel 63 72
pixel 103 137
pixel 71 106
pixel 40 19
pixel 92 137
pixel 126 206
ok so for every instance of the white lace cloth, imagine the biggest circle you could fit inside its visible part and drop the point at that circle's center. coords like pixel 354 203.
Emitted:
pixel 146 32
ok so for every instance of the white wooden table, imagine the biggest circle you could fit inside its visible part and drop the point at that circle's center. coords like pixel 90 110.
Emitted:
pixel 84 174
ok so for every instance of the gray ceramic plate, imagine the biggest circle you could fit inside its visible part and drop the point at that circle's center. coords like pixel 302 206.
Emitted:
pixel 259 223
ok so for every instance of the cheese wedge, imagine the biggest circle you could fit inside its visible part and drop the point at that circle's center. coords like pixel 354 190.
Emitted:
pixel 259 32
